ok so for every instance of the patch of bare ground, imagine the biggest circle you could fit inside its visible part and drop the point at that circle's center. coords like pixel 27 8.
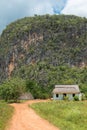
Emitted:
pixel 25 118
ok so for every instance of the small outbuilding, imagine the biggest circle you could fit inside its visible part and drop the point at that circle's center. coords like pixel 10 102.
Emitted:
pixel 70 91
pixel 26 96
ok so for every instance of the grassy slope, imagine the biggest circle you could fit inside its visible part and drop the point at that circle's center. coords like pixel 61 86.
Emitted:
pixel 64 115
pixel 5 114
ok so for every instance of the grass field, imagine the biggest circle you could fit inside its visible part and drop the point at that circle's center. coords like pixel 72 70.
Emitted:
pixel 65 115
pixel 5 114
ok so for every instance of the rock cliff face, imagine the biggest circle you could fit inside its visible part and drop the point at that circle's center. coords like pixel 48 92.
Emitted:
pixel 54 40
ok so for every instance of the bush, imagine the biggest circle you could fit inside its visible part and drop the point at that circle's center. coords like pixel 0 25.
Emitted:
pixel 38 91
pixel 76 98
pixel 83 97
pixel 12 89
pixel 66 98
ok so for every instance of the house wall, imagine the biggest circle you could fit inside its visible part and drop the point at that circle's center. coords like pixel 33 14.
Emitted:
pixel 70 96
pixel 61 97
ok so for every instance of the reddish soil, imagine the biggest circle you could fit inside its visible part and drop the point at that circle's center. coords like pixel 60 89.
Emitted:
pixel 25 118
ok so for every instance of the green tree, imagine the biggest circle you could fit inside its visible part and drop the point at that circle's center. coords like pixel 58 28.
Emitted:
pixel 12 89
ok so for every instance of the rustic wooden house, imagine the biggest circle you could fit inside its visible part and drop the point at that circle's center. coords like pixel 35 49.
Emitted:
pixel 61 91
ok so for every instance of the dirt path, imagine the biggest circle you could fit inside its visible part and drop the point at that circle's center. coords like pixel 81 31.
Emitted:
pixel 25 118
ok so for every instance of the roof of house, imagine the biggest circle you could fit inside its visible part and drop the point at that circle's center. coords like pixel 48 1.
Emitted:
pixel 67 89
pixel 26 96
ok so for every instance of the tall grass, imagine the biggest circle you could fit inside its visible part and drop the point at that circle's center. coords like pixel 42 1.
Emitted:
pixel 5 114
pixel 65 115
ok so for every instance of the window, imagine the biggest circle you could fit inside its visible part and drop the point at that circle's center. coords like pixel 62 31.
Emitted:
pixel 73 95
pixel 57 95
pixel 64 94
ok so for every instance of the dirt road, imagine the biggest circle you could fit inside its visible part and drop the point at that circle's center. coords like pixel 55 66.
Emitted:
pixel 25 118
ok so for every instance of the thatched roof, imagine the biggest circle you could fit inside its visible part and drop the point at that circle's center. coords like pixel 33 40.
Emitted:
pixel 26 96
pixel 67 89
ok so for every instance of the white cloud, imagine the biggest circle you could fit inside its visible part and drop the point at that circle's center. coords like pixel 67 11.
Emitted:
pixel 40 7
pixel 76 7
pixel 14 9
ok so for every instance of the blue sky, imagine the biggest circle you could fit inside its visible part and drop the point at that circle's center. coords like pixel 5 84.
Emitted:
pixel 12 10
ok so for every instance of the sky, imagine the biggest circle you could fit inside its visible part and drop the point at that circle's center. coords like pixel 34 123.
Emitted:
pixel 11 10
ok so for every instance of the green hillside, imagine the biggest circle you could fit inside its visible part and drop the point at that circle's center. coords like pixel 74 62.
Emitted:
pixel 46 49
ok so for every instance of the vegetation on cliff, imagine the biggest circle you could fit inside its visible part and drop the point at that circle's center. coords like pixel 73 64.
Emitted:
pixel 46 50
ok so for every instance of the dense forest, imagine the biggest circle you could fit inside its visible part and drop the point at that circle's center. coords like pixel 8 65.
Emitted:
pixel 44 51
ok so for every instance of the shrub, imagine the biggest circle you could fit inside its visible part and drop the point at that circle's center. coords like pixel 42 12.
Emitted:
pixel 12 89
pixel 76 98
pixel 66 98
pixel 83 97
pixel 36 90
